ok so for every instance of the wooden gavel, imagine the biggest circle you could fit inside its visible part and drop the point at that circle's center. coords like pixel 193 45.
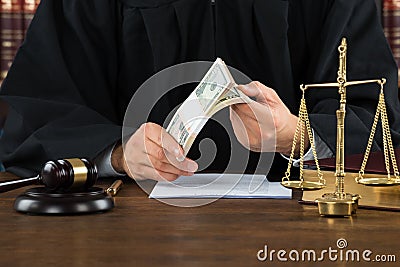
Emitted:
pixel 60 175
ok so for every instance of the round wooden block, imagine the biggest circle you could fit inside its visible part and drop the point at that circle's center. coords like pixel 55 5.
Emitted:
pixel 41 201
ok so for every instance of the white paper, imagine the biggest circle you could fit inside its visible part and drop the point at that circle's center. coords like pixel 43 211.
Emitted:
pixel 220 186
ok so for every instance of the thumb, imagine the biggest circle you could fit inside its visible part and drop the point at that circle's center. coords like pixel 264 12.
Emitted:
pixel 254 91
pixel 262 94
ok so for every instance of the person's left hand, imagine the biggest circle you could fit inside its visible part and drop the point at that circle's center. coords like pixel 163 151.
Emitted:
pixel 264 125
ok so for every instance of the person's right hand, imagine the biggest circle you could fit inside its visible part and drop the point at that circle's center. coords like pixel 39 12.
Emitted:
pixel 152 153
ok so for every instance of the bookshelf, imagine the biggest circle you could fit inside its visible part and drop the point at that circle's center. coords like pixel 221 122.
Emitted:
pixel 390 14
pixel 15 17
pixel 3 115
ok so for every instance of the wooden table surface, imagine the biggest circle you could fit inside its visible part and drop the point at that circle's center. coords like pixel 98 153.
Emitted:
pixel 229 232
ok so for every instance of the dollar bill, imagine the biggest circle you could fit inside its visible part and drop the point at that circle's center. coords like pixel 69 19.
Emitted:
pixel 231 97
pixel 178 130
pixel 213 85
pixel 215 91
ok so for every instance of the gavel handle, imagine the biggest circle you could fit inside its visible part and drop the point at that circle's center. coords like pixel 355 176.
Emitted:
pixel 14 184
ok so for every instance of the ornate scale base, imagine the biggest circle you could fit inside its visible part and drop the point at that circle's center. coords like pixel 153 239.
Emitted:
pixel 333 205
pixel 42 202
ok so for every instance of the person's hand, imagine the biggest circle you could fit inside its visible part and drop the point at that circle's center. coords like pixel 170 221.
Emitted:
pixel 152 153
pixel 264 125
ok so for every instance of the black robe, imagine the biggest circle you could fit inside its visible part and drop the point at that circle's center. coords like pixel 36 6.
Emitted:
pixel 82 61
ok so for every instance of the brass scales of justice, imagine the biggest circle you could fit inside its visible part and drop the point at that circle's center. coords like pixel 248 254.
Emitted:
pixel 340 203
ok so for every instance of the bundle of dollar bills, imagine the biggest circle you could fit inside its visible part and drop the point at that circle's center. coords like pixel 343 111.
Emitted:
pixel 216 91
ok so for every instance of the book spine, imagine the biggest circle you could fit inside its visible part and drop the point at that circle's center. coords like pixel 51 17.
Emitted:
pixel 11 33
pixel 29 8
pixel 391 26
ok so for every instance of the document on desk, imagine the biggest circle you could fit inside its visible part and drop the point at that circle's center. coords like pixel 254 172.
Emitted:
pixel 220 186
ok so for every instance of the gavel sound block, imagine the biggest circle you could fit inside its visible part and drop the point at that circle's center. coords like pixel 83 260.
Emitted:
pixel 67 190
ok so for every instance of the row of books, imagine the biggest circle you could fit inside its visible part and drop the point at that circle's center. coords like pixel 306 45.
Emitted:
pixel 391 25
pixel 15 17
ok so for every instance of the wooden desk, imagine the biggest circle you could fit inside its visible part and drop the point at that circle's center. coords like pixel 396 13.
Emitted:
pixel 229 232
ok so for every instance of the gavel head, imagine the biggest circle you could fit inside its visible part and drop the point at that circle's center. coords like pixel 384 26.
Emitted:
pixel 69 174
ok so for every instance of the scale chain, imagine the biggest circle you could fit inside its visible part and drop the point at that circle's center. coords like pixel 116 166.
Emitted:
pixel 296 134
pixel 302 141
pixel 388 149
pixel 370 139
pixel 304 127
pixel 386 128
pixel 313 149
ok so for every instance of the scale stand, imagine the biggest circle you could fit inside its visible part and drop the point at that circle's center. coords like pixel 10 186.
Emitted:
pixel 341 203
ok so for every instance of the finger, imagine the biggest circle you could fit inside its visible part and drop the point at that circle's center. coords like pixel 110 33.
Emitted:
pixel 186 164
pixel 254 113
pixel 244 111
pixel 261 93
pixel 243 126
pixel 238 125
pixel 250 126
pixel 243 134
pixel 138 169
pixel 248 135
pixel 158 153
pixel 159 135
pixel 262 113
pixel 162 166
pixel 252 90
pixel 146 172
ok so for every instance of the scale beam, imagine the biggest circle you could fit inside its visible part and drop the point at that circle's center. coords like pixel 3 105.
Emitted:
pixel 346 84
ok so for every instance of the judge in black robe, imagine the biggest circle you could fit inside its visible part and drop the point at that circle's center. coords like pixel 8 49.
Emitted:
pixel 82 61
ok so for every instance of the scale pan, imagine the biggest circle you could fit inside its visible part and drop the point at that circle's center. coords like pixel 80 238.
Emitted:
pixel 303 185
pixel 382 181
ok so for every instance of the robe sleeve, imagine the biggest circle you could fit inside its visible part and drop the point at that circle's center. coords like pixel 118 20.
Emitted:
pixel 368 57
pixel 61 87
